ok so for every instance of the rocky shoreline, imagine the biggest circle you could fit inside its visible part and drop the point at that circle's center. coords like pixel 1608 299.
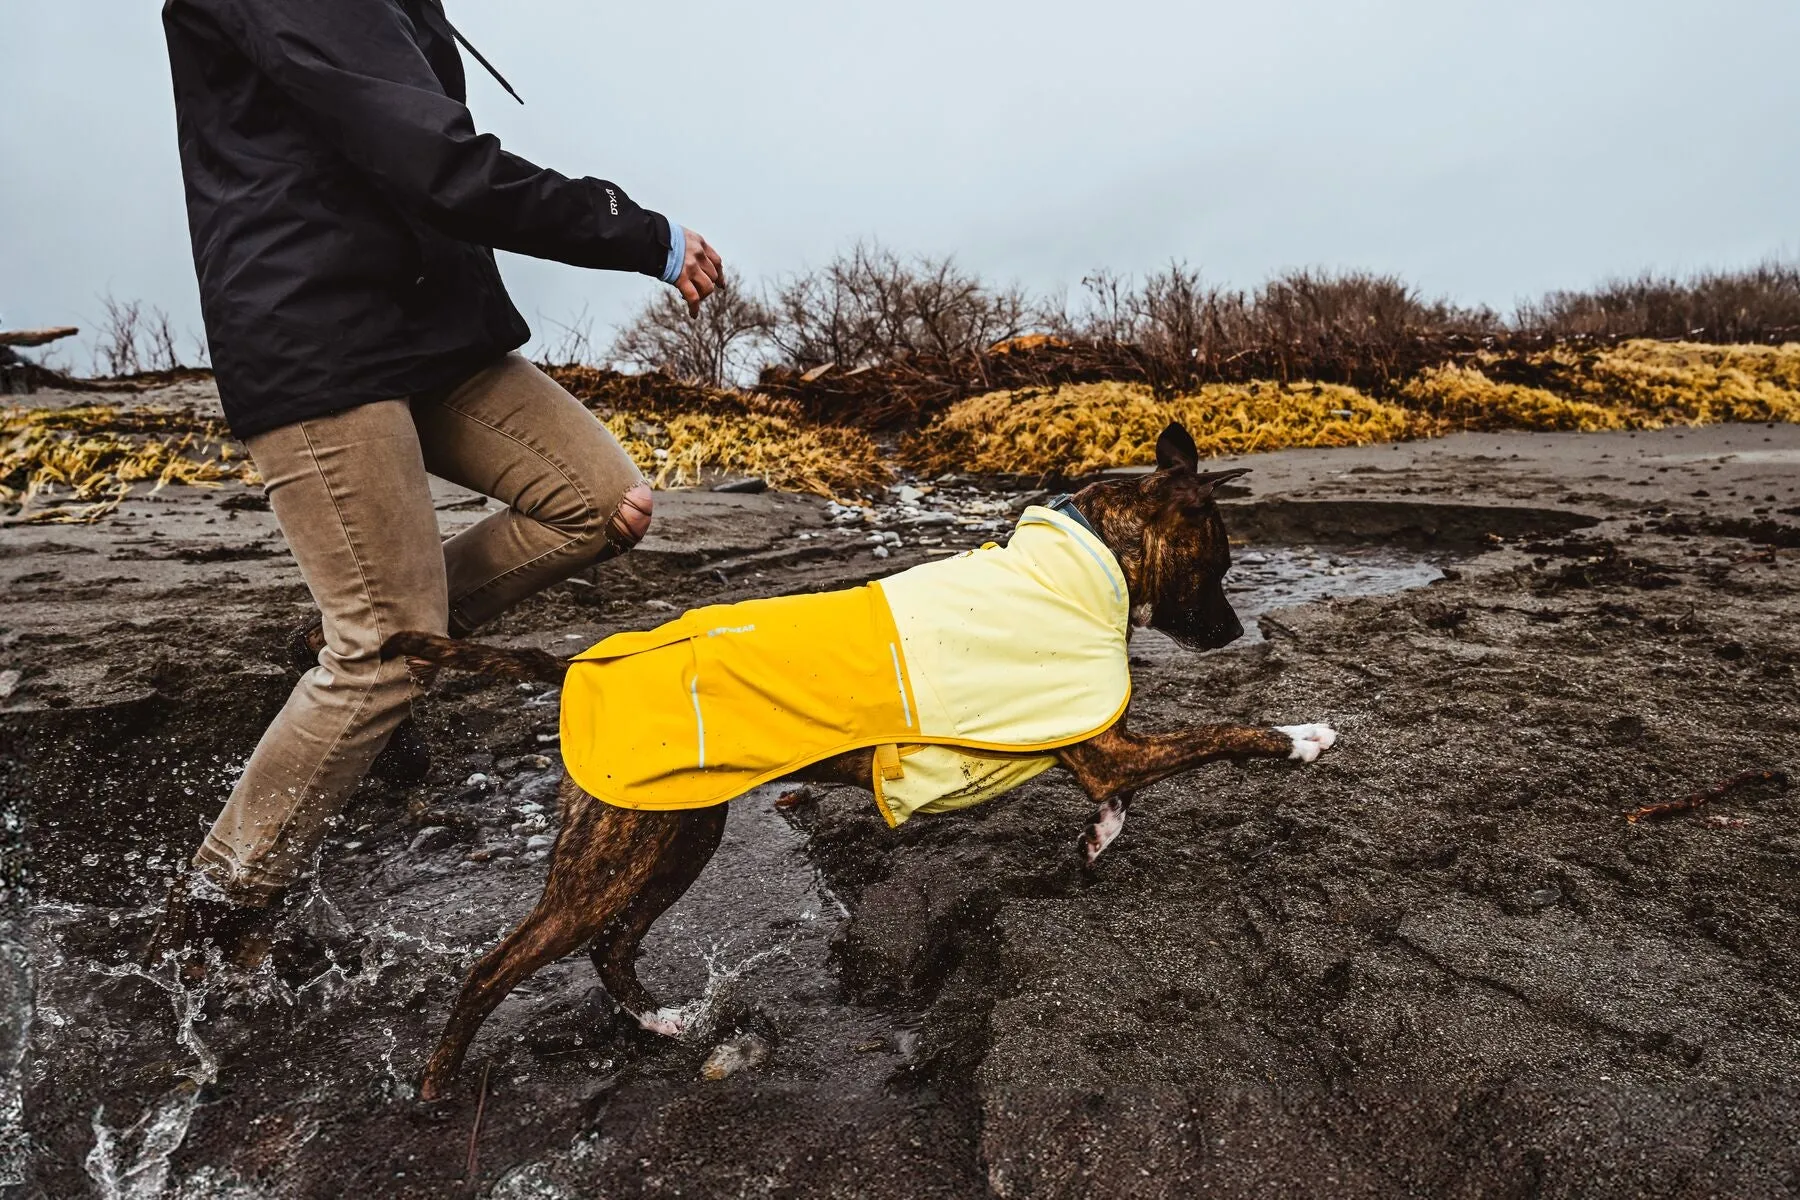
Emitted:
pixel 1438 962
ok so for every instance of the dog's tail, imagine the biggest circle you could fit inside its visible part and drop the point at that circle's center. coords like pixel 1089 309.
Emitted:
pixel 476 658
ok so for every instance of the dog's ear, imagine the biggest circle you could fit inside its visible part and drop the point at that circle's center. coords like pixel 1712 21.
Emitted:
pixel 1189 492
pixel 1213 479
pixel 1175 449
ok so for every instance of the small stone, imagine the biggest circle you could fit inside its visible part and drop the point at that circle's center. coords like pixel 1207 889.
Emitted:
pixel 1544 897
pixel 536 762
pixel 539 841
pixel 906 493
pixel 9 683
pixel 728 1058
pixel 880 552
pixel 750 486
pixel 432 838
pixel 477 780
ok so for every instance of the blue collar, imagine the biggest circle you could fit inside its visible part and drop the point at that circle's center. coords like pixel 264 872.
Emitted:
pixel 1065 504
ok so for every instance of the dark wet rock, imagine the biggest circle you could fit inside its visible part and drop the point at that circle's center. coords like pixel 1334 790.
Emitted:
pixel 433 838
pixel 747 486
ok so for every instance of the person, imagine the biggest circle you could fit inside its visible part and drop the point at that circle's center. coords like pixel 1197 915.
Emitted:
pixel 344 213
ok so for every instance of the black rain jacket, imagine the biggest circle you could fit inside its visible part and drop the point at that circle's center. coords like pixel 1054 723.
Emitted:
pixel 344 210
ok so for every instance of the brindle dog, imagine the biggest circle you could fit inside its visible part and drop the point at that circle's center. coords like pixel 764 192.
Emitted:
pixel 614 871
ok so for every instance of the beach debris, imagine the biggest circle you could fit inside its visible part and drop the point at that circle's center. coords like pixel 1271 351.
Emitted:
pixel 471 1164
pixel 730 1057
pixel 37 337
pixel 1660 812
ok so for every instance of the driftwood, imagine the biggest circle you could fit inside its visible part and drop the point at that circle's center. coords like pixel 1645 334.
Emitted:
pixel 36 337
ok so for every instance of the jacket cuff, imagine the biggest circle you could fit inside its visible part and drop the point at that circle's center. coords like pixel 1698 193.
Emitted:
pixel 677 253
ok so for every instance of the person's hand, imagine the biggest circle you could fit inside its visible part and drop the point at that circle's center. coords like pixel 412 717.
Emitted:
pixel 701 272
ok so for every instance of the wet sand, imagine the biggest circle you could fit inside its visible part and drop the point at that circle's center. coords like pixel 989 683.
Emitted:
pixel 1436 962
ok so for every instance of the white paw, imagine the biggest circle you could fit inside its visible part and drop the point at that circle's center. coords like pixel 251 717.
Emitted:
pixel 1310 741
pixel 1109 822
pixel 669 1022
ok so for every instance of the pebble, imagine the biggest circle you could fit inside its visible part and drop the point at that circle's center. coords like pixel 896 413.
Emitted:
pixel 880 552
pixel 477 780
pixel 431 839
pixel 539 841
pixel 728 1058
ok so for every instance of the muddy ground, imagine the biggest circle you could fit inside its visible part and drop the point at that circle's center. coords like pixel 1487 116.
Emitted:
pixel 1437 962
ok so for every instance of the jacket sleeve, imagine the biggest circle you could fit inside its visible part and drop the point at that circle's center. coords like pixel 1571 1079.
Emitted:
pixel 353 67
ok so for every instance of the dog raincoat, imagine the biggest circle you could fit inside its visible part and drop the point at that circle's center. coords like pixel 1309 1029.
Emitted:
pixel 961 673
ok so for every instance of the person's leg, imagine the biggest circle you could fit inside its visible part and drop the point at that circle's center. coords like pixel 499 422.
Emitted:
pixel 573 495
pixel 351 495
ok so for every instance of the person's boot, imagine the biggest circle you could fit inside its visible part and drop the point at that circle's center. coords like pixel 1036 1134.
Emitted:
pixel 197 917
pixel 406 758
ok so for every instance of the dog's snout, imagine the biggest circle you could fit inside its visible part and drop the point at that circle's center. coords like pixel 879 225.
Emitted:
pixel 1224 631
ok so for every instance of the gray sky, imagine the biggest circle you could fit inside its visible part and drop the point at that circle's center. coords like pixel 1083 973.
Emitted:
pixel 1485 151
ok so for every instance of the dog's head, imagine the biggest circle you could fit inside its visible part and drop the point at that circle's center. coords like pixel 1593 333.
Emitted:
pixel 1165 530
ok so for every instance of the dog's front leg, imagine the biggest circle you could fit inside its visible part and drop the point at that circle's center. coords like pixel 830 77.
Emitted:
pixel 1119 762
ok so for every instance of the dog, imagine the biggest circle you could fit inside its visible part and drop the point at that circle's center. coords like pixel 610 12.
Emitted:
pixel 615 870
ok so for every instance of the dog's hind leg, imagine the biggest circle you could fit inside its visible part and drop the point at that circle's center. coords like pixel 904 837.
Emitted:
pixel 601 861
pixel 614 952
pixel 1109 822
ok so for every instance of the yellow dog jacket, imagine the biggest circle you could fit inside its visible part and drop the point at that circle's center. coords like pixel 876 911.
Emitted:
pixel 961 673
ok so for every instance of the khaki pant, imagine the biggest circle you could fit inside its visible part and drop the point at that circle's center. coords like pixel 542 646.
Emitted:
pixel 351 494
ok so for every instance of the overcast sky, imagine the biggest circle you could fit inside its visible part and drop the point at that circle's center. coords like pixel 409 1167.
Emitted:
pixel 1484 151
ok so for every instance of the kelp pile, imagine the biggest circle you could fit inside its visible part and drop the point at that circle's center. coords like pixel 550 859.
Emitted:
pixel 784 451
pixel 1636 385
pixel 681 434
pixel 75 465
pixel 1077 428
pixel 78 464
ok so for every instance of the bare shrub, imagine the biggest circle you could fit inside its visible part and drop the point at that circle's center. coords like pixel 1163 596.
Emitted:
pixel 160 353
pixel 1758 304
pixel 116 342
pixel 574 342
pixel 134 338
pixel 871 305
pixel 1176 331
pixel 717 348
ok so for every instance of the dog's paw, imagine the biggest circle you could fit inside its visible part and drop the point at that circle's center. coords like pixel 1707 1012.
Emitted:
pixel 667 1022
pixel 1310 741
pixel 1109 822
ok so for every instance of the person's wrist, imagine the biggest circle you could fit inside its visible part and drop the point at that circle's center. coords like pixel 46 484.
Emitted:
pixel 677 253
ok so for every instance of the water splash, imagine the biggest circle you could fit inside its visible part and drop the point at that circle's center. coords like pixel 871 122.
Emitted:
pixel 17 988
pixel 189 1005
pixel 133 1163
